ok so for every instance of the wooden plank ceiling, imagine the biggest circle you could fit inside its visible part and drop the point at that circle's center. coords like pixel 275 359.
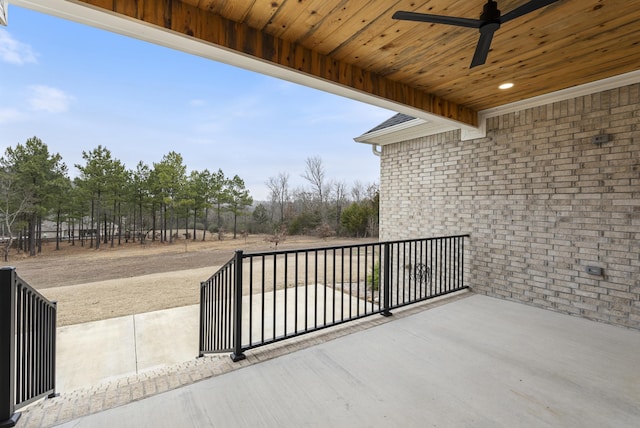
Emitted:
pixel 424 66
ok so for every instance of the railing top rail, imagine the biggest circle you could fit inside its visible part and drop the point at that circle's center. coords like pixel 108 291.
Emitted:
pixel 29 287
pixel 337 247
pixel 224 266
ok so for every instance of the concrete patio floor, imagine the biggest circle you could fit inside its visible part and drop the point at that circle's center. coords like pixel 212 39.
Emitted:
pixel 475 361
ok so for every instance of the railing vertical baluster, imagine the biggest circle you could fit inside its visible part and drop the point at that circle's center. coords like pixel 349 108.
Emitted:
pixel 295 326
pixel 325 283
pixel 387 279
pixel 398 270
pixel 219 310
pixel 286 289
pixel 432 267
pixel 52 348
pixel 208 325
pixel 262 302
pixel 454 264
pixel 275 299
pixel 445 263
pixel 222 308
pixel 461 263
pixel 380 274
pixel 350 282
pixel 20 314
pixel 203 305
pixel 416 261
pixel 38 332
pixel 423 261
pixel 358 282
pixel 394 295
pixel 237 353
pixel 404 269
pixel 333 301
pixel 341 280
pixel 366 257
pixel 458 263
pixel 306 290
pixel 250 298
pixel 26 381
pixel 211 309
pixel 449 263
pixel 440 265
pixel 225 296
pixel 315 288
pixel 412 263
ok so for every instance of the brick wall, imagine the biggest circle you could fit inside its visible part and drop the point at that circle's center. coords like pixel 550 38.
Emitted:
pixel 540 201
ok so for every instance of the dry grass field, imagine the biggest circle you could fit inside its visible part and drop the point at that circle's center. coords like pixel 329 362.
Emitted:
pixel 91 284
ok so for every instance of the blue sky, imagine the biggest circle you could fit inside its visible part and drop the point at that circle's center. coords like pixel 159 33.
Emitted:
pixel 77 87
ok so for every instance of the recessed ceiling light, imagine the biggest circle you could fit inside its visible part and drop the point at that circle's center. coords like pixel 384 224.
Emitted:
pixel 508 85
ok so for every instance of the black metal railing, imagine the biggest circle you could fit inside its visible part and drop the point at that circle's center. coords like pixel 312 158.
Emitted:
pixel 217 309
pixel 261 298
pixel 28 346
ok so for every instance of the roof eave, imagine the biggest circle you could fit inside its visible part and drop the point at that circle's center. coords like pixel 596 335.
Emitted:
pixel 408 130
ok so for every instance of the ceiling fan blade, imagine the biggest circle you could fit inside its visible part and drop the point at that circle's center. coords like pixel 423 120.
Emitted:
pixel 482 49
pixel 524 9
pixel 437 19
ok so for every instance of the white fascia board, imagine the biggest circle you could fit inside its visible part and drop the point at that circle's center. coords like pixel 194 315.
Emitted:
pixel 408 130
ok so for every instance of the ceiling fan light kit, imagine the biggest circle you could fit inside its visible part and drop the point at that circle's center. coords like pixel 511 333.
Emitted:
pixel 489 22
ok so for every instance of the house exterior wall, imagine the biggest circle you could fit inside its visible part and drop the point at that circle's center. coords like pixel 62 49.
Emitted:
pixel 539 199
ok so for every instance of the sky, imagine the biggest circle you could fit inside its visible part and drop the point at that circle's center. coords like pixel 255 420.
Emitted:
pixel 76 87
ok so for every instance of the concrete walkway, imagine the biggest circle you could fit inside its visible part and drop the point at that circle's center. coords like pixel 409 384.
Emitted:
pixel 99 352
pixel 102 351
pixel 473 361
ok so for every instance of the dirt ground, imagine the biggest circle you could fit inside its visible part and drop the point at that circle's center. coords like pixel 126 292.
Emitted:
pixel 92 285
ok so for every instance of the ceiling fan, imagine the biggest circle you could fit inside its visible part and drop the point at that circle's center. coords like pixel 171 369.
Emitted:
pixel 490 20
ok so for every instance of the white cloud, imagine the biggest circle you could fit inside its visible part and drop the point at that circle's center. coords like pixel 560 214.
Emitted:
pixel 9 115
pixel 15 52
pixel 49 99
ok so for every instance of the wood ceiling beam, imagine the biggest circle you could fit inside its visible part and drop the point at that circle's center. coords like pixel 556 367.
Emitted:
pixel 212 28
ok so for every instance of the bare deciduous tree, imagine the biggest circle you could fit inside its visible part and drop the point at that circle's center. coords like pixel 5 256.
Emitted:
pixel 357 191
pixel 279 188
pixel 314 173
pixel 340 199
pixel 14 202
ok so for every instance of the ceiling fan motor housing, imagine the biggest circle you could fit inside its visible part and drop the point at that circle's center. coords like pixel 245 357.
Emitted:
pixel 490 21
pixel 490 12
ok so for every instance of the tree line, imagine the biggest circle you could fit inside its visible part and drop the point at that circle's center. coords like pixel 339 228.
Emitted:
pixel 325 207
pixel 107 203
